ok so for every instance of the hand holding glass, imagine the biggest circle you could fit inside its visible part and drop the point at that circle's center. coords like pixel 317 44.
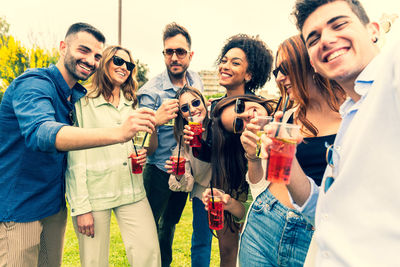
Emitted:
pixel 215 207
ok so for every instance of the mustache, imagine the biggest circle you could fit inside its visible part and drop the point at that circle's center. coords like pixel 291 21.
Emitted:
pixel 92 67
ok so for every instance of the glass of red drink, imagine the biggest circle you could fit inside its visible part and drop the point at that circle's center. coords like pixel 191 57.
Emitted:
pixel 136 167
pixel 284 139
pixel 215 208
pixel 197 129
pixel 178 168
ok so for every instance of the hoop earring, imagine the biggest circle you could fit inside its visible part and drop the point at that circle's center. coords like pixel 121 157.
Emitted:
pixel 376 40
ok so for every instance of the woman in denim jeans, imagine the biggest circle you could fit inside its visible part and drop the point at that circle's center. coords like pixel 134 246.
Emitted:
pixel 275 233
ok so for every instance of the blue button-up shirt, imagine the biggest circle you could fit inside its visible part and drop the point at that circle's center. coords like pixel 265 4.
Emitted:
pixel 34 108
pixel 357 218
pixel 150 96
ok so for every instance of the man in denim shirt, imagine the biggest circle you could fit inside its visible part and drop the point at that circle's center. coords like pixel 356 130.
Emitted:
pixel 36 115
pixel 167 206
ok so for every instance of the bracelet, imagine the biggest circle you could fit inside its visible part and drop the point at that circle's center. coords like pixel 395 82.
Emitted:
pixel 252 158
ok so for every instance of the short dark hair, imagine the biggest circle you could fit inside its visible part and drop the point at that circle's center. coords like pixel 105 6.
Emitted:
pixel 85 27
pixel 258 55
pixel 174 29
pixel 303 9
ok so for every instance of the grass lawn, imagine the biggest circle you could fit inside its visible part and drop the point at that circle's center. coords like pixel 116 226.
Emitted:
pixel 181 246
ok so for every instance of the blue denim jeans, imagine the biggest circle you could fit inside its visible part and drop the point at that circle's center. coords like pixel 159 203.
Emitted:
pixel 274 235
pixel 201 236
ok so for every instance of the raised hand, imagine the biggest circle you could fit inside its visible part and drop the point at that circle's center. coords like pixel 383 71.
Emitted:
pixel 142 119
pixel 167 111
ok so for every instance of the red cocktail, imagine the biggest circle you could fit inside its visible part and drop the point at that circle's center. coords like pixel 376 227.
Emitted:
pixel 197 129
pixel 215 213
pixel 280 160
pixel 178 169
pixel 136 167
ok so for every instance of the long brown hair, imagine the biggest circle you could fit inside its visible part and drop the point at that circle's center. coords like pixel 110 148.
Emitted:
pixel 229 166
pixel 101 84
pixel 228 163
pixel 180 121
pixel 296 63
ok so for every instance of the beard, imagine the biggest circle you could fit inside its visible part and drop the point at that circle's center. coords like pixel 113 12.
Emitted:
pixel 177 74
pixel 70 64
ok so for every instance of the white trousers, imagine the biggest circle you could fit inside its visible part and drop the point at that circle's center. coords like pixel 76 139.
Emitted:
pixel 138 231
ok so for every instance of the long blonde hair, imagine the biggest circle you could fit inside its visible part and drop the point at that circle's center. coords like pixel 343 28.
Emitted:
pixel 101 83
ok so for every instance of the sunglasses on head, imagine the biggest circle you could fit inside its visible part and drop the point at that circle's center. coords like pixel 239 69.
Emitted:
pixel 119 62
pixel 238 123
pixel 279 69
pixel 180 52
pixel 195 103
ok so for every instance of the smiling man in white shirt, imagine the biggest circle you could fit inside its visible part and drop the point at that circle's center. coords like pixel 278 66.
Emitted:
pixel 356 216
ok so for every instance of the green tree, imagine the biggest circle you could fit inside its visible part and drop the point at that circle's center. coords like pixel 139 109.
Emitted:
pixel 15 59
pixel 142 73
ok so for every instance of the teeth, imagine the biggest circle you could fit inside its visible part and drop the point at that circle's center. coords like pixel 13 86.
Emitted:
pixel 336 54
pixel 84 67
pixel 225 75
pixel 121 73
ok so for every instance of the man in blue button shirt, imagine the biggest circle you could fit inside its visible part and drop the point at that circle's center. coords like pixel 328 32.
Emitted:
pixel 167 206
pixel 36 115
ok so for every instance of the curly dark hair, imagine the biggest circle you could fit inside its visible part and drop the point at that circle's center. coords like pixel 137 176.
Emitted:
pixel 259 58
pixel 303 9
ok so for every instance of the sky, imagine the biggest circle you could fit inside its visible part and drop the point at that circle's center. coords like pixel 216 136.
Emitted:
pixel 210 23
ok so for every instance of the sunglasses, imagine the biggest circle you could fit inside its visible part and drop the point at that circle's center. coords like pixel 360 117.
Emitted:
pixel 195 103
pixel 238 123
pixel 279 69
pixel 180 52
pixel 331 153
pixel 119 62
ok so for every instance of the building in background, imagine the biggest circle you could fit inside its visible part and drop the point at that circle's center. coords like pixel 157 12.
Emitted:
pixel 210 82
pixel 212 87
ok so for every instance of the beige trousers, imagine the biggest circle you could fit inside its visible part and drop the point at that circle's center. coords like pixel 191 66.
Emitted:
pixel 31 244
pixel 138 231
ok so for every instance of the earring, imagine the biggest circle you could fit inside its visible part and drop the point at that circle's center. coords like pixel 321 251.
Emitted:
pixel 376 40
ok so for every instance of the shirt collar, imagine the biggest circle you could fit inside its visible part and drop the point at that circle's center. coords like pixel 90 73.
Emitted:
pixel 77 91
pixel 362 85
pixel 167 84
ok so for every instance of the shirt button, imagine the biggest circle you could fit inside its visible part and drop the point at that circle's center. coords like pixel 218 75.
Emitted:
pixel 124 163
pixel 325 254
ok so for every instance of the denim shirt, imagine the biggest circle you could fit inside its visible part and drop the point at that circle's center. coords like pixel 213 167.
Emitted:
pixel 34 108
pixel 150 96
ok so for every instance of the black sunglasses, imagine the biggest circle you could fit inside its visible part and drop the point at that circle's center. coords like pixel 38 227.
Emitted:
pixel 195 103
pixel 279 69
pixel 119 62
pixel 180 52
pixel 238 123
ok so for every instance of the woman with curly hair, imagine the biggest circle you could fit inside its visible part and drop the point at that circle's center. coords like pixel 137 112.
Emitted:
pixel 244 65
pixel 100 180
pixel 275 233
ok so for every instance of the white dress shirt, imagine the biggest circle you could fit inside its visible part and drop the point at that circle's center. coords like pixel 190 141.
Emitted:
pixel 358 219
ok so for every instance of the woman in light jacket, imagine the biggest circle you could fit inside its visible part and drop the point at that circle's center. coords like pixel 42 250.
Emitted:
pixel 100 180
